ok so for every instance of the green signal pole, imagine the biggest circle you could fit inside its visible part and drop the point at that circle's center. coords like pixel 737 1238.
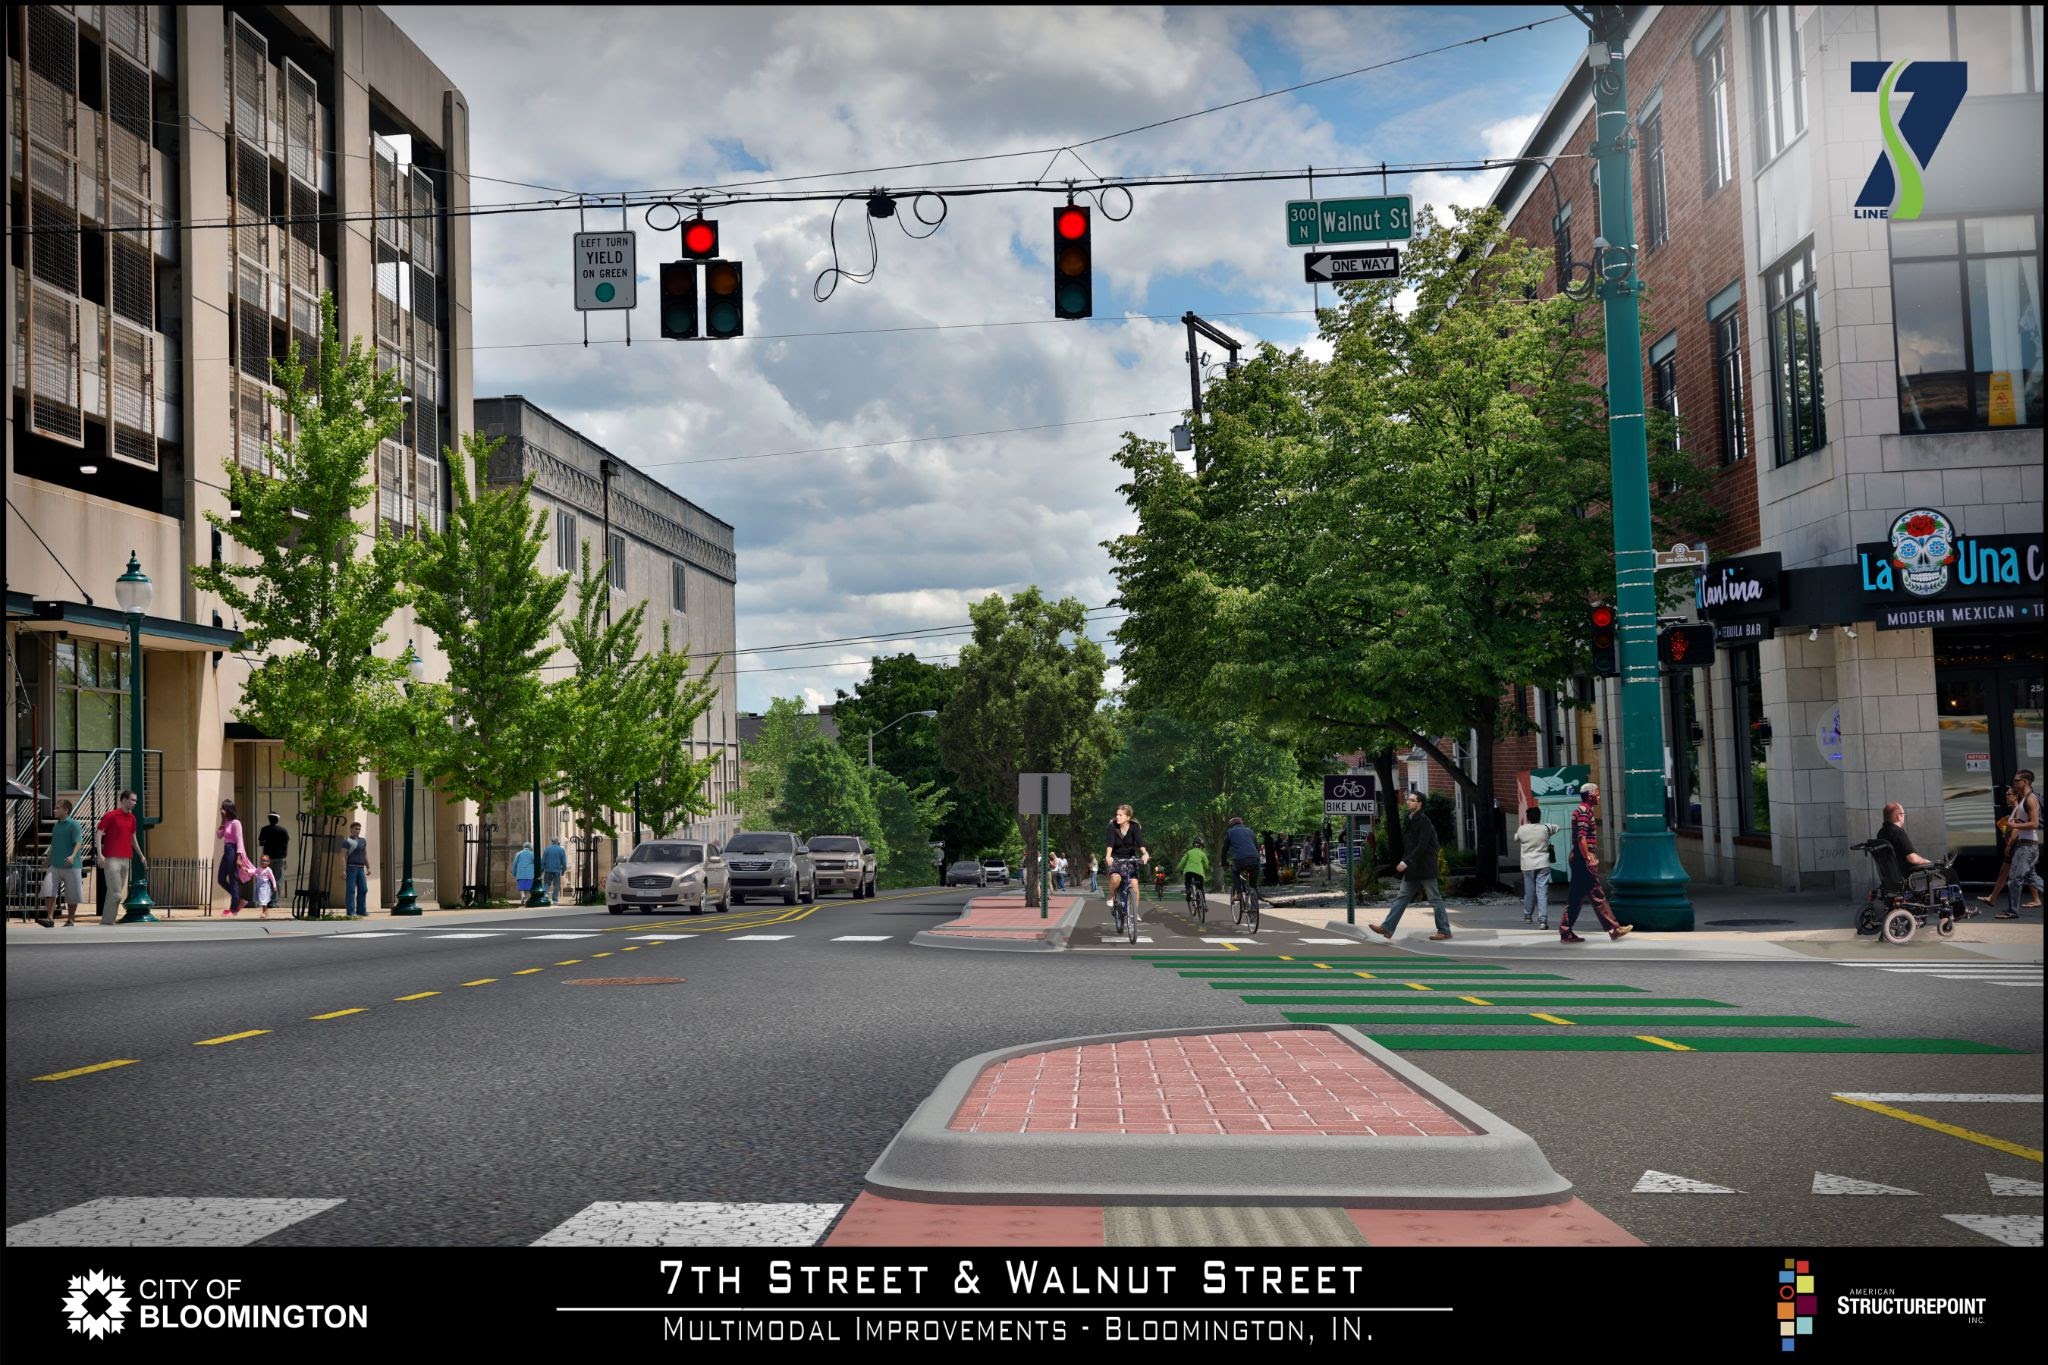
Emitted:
pixel 1647 879
pixel 1044 857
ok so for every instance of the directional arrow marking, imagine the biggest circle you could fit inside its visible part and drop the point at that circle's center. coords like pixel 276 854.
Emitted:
pixel 1842 1184
pixel 2017 1230
pixel 1658 1182
pixel 2013 1185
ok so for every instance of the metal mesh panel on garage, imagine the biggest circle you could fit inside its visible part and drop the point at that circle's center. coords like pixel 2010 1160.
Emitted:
pixel 47 115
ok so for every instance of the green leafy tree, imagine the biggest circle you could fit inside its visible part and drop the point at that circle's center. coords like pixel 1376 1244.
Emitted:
pixel 895 686
pixel 909 819
pixel 671 790
pixel 1030 684
pixel 1185 779
pixel 608 707
pixel 824 792
pixel 785 728
pixel 1379 548
pixel 314 603
pixel 481 591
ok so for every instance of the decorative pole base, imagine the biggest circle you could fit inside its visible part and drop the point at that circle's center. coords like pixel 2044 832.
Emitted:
pixel 1648 884
pixel 135 910
pixel 408 902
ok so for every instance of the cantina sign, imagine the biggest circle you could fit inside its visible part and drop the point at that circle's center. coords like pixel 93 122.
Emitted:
pixel 1747 586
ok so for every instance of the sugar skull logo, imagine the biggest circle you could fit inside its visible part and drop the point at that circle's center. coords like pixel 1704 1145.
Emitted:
pixel 1923 547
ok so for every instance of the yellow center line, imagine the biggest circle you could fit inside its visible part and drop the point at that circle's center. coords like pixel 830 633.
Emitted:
pixel 339 1013
pixel 1413 985
pixel 231 1038
pixel 1550 1019
pixel 630 948
pixel 421 996
pixel 570 963
pixel 1981 1139
pixel 1285 958
pixel 485 982
pixel 595 956
pixel 88 1070
pixel 1231 946
pixel 1663 1042
pixel 1324 965
pixel 1475 1000
pixel 529 971
pixel 1367 975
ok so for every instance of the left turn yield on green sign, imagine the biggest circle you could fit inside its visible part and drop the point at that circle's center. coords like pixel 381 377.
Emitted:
pixel 606 268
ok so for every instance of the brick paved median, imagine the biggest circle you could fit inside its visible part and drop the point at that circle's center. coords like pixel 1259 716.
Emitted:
pixel 1298 1083
pixel 1007 920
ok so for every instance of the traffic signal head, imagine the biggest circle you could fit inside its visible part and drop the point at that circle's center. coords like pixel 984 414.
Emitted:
pixel 1689 646
pixel 1073 269
pixel 724 300
pixel 679 299
pixel 1606 655
pixel 700 239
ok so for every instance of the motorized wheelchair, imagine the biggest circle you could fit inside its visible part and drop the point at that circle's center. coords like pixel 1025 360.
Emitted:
pixel 1903 901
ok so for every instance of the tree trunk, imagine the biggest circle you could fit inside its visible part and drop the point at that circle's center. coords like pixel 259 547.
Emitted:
pixel 1027 825
pixel 1387 848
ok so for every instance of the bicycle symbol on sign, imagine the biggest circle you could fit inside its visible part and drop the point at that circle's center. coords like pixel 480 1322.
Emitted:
pixel 1350 789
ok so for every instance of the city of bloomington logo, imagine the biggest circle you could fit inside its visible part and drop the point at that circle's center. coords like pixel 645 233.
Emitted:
pixel 1895 188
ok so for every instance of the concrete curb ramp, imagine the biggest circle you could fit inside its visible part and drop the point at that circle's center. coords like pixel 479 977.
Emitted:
pixel 1494 1165
pixel 1052 938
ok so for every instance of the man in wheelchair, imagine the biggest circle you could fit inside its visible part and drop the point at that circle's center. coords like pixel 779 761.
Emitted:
pixel 1906 881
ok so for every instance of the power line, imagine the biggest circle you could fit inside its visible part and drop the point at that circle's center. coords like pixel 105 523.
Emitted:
pixel 909 440
pixel 881 637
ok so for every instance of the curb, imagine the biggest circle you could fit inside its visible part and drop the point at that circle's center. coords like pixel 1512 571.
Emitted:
pixel 1498 1167
pixel 1057 931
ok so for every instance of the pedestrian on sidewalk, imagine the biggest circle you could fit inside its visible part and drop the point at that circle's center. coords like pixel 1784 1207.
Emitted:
pixel 275 841
pixel 65 879
pixel 355 896
pixel 1534 840
pixel 554 862
pixel 1093 864
pixel 522 867
pixel 1585 862
pixel 235 867
pixel 264 887
pixel 117 855
pixel 1418 874
pixel 1059 873
pixel 2004 827
pixel 2026 845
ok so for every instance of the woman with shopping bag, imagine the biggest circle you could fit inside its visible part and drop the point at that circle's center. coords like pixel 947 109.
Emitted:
pixel 235 867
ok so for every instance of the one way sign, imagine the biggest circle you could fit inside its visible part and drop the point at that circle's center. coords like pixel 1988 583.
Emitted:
pixel 1323 267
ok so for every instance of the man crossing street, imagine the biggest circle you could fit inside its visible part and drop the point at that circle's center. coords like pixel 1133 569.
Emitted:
pixel 1585 862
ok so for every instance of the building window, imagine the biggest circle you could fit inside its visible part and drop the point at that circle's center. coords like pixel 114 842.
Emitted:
pixel 1654 217
pixel 565 542
pixel 677 588
pixel 92 713
pixel 1664 392
pixel 1777 78
pixel 615 559
pixel 1728 384
pixel 1561 235
pixel 1717 162
pixel 1800 422
pixel 1684 812
pixel 1966 311
pixel 1752 772
pixel 2001 43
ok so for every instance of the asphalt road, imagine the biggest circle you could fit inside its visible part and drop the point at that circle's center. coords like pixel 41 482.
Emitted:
pixel 482 1095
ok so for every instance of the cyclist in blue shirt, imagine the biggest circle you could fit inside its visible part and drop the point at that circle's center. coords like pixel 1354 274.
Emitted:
pixel 1241 849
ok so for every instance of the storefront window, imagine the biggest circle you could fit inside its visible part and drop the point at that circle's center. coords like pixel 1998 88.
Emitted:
pixel 1685 751
pixel 1966 309
pixel 91 709
pixel 1752 777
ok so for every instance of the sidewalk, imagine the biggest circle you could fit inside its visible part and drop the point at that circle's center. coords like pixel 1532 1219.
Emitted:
pixel 193 925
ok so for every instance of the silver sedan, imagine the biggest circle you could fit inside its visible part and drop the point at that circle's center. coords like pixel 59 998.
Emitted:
pixel 668 874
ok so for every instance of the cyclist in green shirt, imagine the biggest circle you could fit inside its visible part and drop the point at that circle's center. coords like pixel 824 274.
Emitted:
pixel 1194 868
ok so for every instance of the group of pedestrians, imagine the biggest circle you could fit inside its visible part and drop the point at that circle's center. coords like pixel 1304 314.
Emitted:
pixel 2019 869
pixel 64 877
pixel 552 863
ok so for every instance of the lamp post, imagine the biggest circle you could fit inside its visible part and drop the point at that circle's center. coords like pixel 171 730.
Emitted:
pixel 408 902
pixel 134 591
pixel 538 899
pixel 898 721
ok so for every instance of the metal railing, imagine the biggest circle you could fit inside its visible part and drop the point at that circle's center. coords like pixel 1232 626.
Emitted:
pixel 23 816
pixel 62 770
pixel 174 884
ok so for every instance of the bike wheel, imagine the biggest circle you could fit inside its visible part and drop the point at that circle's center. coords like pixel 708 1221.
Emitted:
pixel 1251 913
pixel 1131 924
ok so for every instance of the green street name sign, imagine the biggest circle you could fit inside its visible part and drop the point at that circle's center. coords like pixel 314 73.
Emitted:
pixel 1387 218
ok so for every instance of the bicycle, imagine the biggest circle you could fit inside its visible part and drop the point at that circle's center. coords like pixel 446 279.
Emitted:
pixel 1244 900
pixel 1198 901
pixel 1125 912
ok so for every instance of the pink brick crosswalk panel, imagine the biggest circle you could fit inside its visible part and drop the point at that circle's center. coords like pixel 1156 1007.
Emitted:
pixel 1005 917
pixel 1294 1082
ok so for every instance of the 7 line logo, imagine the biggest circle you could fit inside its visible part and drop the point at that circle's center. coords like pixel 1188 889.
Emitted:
pixel 1894 189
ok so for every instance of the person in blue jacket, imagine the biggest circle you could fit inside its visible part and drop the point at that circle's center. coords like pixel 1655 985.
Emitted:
pixel 522 868
pixel 554 861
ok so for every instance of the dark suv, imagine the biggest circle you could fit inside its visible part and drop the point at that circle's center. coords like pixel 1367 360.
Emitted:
pixel 768 864
pixel 843 862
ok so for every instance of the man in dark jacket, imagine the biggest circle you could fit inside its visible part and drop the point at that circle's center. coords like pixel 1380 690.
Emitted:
pixel 1418 873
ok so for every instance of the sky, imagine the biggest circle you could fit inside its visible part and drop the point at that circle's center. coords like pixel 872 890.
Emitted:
pixel 954 334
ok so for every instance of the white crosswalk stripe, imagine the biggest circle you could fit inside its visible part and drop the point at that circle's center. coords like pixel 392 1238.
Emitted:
pixel 863 938
pixel 2024 974
pixel 127 1221
pixel 693 1225
pixel 759 938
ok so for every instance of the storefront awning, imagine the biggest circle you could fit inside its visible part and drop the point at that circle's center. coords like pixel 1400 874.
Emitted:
pixel 109 623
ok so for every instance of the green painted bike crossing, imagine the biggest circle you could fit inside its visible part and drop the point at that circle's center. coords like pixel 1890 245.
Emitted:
pixel 1551 1012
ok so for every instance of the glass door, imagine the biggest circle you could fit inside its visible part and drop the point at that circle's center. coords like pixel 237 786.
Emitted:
pixel 1965 701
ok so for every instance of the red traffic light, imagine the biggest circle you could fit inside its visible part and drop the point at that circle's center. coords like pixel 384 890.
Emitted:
pixel 1603 616
pixel 700 239
pixel 1072 222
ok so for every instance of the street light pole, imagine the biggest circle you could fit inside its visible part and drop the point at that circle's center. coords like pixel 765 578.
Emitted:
pixel 1648 880
pixel 898 721
pixel 539 899
pixel 408 902
pixel 133 590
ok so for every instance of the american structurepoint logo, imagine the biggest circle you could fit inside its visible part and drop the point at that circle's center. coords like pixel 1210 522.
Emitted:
pixel 1797 1302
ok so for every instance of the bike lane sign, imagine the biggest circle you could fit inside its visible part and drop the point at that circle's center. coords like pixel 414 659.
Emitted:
pixel 1350 794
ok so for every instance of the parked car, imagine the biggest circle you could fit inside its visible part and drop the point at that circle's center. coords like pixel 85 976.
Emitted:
pixel 769 862
pixel 997 869
pixel 665 873
pixel 843 862
pixel 968 873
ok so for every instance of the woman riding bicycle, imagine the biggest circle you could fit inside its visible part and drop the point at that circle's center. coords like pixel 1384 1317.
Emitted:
pixel 1125 851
